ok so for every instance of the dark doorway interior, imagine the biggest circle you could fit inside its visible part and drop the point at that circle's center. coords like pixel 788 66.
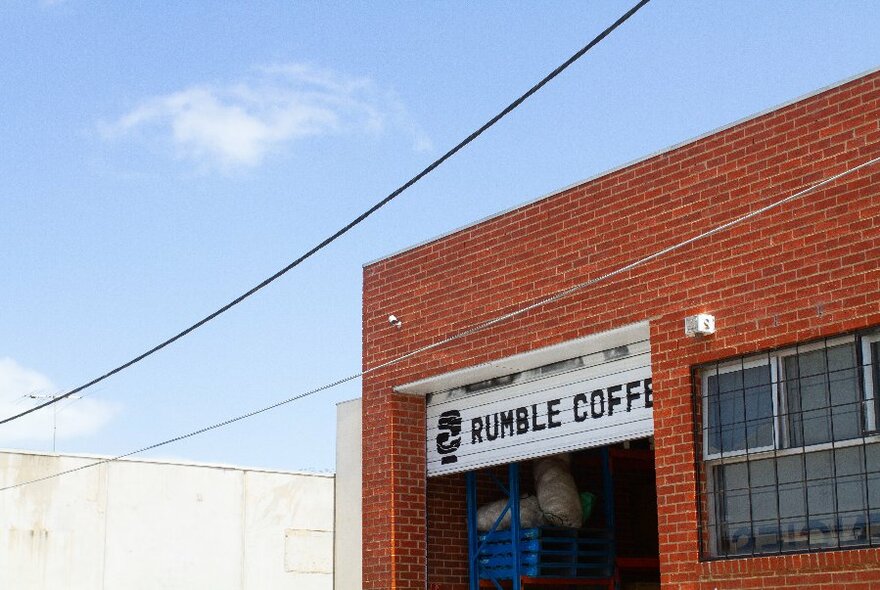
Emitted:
pixel 628 518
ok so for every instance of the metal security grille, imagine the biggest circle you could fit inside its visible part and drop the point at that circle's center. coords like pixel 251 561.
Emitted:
pixel 790 449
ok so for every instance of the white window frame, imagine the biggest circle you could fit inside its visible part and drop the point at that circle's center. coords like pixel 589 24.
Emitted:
pixel 868 393
pixel 784 439
pixel 730 367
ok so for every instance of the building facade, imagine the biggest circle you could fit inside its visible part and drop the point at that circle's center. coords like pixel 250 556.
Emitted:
pixel 763 466
pixel 144 524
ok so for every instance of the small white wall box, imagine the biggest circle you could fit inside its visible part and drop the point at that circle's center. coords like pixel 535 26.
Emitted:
pixel 701 324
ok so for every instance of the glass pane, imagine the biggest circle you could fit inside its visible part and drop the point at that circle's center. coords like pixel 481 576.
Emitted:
pixel 791 500
pixel 737 540
pixel 766 536
pixel 818 465
pixel 790 368
pixel 844 387
pixel 764 503
pixel 762 473
pixel 823 532
pixel 712 542
pixel 817 427
pixel 733 438
pixel 875 373
pixel 790 469
pixel 713 440
pixel 845 421
pixel 820 498
pixel 731 409
pixel 736 507
pixel 820 489
pixel 711 382
pixel 756 376
pixel 732 420
pixel 874 526
pixel 872 456
pixel 814 392
pixel 759 434
pixel 846 415
pixel 713 432
pixel 730 381
pixel 792 403
pixel 736 476
pixel 850 493
pixel 853 528
pixel 874 490
pixel 759 409
pixel 793 534
pixel 849 461
pixel 812 387
pixel 841 357
pixel 811 363
pixel 740 415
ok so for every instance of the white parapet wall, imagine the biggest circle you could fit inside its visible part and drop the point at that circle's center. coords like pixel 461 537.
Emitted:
pixel 143 525
pixel 348 569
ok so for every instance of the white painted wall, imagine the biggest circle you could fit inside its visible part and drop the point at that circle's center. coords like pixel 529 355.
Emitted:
pixel 347 575
pixel 139 525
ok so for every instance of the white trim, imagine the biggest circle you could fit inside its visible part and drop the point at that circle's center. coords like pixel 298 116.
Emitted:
pixel 625 335
pixel 817 448
pixel 730 367
pixel 868 363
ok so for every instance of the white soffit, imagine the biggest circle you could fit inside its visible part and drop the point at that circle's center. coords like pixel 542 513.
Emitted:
pixel 529 360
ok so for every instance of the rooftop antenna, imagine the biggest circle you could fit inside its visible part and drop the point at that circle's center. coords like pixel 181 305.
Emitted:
pixel 36 396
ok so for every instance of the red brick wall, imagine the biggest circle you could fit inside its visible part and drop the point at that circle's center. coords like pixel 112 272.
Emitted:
pixel 808 269
pixel 447 565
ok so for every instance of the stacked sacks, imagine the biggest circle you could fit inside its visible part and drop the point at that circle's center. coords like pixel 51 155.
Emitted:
pixel 529 514
pixel 557 493
pixel 557 502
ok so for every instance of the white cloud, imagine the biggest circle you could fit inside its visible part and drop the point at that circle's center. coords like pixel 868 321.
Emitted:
pixel 239 124
pixel 75 418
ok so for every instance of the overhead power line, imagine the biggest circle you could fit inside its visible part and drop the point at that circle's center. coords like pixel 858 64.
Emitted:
pixel 342 231
pixel 473 330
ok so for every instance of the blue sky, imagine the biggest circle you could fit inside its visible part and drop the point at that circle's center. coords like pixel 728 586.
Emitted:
pixel 157 159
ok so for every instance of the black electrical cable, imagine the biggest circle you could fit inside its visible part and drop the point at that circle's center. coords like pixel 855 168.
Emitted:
pixel 351 224
pixel 474 329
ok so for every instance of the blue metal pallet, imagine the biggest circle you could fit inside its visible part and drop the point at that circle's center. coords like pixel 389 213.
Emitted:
pixel 533 554
pixel 547 552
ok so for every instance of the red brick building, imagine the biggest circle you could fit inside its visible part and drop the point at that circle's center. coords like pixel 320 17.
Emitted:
pixel 763 436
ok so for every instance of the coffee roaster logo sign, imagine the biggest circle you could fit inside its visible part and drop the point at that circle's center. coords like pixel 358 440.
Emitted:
pixel 586 393
pixel 448 436
pixel 577 409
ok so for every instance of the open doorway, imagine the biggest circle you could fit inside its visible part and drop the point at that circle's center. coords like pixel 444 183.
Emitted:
pixel 614 544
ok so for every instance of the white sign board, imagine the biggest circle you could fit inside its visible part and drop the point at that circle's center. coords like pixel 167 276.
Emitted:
pixel 598 399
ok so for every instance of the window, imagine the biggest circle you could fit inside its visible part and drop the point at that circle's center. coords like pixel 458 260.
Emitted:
pixel 791 449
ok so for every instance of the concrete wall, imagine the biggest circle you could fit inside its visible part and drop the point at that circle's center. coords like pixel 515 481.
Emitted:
pixel 132 525
pixel 347 575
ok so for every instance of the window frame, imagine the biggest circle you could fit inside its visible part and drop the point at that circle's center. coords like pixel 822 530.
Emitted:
pixel 781 384
pixel 747 362
pixel 870 379
pixel 866 372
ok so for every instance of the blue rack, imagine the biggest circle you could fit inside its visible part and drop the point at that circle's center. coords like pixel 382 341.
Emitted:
pixel 547 552
pixel 544 554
